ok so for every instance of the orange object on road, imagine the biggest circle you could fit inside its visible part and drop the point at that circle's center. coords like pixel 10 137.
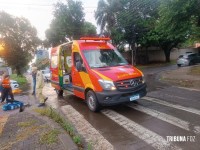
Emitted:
pixel 16 91
pixel 93 69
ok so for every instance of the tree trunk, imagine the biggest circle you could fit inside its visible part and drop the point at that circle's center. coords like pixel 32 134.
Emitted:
pixel 167 55
pixel 147 55
pixel 18 71
pixel 167 50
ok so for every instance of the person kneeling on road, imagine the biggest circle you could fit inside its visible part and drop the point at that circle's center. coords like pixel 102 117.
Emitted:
pixel 7 90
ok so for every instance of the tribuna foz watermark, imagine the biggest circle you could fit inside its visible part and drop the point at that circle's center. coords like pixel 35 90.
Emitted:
pixel 181 138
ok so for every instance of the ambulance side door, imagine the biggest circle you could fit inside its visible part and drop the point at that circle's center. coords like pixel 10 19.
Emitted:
pixel 77 81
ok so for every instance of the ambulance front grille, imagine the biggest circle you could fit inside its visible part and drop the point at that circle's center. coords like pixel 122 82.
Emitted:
pixel 128 84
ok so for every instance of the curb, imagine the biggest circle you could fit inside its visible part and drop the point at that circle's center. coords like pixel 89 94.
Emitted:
pixel 85 129
pixel 66 140
pixel 90 136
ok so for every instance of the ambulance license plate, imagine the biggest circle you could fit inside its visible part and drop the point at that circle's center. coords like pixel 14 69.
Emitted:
pixel 134 97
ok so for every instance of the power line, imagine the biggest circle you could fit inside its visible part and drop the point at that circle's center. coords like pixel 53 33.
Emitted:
pixel 32 4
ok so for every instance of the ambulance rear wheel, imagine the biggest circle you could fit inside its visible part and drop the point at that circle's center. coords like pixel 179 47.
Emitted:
pixel 59 92
pixel 92 101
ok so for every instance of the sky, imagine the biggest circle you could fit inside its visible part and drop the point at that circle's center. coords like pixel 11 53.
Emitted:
pixel 40 12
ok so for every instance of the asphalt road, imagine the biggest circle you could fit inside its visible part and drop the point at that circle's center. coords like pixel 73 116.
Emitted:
pixel 167 118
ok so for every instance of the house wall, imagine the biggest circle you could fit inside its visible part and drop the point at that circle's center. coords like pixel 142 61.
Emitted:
pixel 158 55
pixel 176 52
pixel 154 54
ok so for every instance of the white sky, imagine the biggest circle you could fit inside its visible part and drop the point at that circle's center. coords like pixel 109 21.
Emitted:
pixel 39 12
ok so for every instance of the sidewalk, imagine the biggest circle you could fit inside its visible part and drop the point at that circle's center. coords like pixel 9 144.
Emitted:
pixel 28 130
pixel 183 77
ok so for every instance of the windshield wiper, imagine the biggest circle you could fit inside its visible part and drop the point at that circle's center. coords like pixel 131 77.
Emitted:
pixel 99 66
pixel 120 64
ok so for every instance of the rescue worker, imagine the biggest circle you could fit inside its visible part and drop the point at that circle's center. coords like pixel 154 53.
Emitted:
pixel 40 83
pixel 34 75
pixel 7 90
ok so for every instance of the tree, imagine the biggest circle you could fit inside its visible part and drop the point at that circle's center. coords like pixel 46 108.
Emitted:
pixel 178 22
pixel 140 17
pixel 20 40
pixel 105 14
pixel 189 16
pixel 68 21
pixel 89 29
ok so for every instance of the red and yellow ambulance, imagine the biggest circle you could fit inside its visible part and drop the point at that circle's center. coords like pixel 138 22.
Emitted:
pixel 92 68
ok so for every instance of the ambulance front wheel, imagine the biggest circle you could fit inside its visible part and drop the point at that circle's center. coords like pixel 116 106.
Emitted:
pixel 92 101
pixel 59 92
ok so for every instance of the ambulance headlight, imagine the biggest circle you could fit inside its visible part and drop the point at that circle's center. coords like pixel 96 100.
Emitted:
pixel 107 85
pixel 143 79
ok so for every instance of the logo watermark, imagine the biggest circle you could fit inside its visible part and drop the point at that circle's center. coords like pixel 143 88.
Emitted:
pixel 181 138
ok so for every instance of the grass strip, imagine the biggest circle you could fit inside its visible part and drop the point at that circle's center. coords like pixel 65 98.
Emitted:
pixel 50 137
pixel 49 112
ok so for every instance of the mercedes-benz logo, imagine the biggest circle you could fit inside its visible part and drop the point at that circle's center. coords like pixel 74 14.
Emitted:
pixel 132 82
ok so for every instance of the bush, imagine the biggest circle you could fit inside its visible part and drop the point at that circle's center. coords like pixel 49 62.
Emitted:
pixel 19 78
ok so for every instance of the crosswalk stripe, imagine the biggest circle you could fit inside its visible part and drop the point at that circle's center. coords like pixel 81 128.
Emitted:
pixel 167 118
pixel 155 140
pixel 85 129
pixel 190 89
pixel 188 109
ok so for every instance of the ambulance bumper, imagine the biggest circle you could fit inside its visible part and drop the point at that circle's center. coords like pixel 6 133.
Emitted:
pixel 109 98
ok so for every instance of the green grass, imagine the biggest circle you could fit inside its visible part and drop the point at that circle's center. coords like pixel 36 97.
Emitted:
pixel 20 79
pixel 89 146
pixel 26 124
pixel 50 137
pixel 77 139
pixel 49 112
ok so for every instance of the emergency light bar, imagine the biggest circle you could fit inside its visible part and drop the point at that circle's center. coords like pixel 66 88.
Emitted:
pixel 96 38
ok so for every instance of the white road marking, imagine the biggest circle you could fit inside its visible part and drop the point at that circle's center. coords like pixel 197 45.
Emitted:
pixel 190 89
pixel 85 129
pixel 167 118
pixel 188 109
pixel 155 140
pixel 174 96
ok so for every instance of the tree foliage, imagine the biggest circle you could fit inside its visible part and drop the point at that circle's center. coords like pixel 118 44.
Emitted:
pixel 127 21
pixel 166 24
pixel 68 21
pixel 20 40
pixel 139 16
pixel 106 14
pixel 177 23
pixel 89 29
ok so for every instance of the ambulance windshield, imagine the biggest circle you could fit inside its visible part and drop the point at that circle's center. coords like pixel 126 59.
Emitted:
pixel 104 58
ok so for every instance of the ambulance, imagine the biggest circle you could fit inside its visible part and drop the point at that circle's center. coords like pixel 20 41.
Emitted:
pixel 92 69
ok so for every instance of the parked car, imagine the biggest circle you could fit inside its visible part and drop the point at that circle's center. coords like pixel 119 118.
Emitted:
pixel 14 84
pixel 46 75
pixel 188 59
